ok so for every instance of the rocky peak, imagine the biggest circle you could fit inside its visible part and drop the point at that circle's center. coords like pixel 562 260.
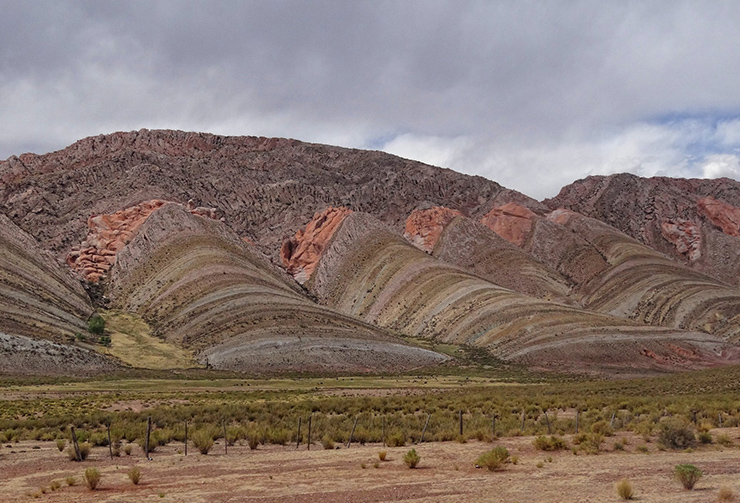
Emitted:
pixel 423 227
pixel 300 254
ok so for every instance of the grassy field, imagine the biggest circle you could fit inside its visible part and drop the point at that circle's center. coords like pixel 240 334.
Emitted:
pixel 384 407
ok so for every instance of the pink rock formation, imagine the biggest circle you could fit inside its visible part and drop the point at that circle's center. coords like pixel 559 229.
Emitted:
pixel 685 235
pixel 723 215
pixel 108 234
pixel 423 227
pixel 300 254
pixel 511 221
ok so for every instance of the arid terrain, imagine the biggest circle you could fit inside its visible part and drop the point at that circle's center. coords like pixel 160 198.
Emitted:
pixel 446 473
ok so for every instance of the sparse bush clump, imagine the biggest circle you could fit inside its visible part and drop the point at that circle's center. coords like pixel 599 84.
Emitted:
pixel 61 444
pixel 494 459
pixel 688 475
pixel 624 489
pixel 723 439
pixel 676 434
pixel 84 451
pixel 96 324
pixel 327 442
pixel 382 455
pixel 92 478
pixel 134 474
pixel 71 480
pixel 411 458
pixel 397 440
pixel 55 484
pixel 705 437
pixel 552 443
pixel 602 428
pixel 725 494
pixel 203 441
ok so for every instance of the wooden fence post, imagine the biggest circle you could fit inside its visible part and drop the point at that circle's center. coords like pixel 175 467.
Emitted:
pixel 78 455
pixel 461 423
pixel 547 421
pixel 383 431
pixel 493 427
pixel 349 442
pixel 148 433
pixel 309 431
pixel 425 428
pixel 298 437
pixel 577 413
pixel 110 445
pixel 521 428
pixel 720 420
pixel 186 438
pixel 226 440
pixel 611 422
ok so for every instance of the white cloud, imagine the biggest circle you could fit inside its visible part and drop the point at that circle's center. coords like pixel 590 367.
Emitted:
pixel 721 165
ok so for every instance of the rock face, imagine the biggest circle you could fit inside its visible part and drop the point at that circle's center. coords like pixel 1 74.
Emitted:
pixel 301 253
pixel 369 272
pixel 685 235
pixel 266 188
pixel 723 215
pixel 108 234
pixel 202 287
pixel 639 207
pixel 511 221
pixel 423 227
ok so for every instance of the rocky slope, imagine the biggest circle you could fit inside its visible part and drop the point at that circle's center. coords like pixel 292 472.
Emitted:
pixel 461 241
pixel 41 306
pixel 692 221
pixel 368 271
pixel 266 188
pixel 202 287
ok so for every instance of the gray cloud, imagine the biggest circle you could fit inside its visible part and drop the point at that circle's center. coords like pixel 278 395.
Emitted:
pixel 532 94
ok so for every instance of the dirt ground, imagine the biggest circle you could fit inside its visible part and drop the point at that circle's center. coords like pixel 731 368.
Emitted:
pixel 446 474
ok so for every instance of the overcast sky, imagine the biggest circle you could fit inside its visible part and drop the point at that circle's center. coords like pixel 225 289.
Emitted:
pixel 532 95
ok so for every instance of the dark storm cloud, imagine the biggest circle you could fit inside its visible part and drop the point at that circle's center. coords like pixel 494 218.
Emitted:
pixel 517 91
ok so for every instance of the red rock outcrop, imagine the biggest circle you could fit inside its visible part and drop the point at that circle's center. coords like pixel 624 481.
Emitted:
pixel 685 235
pixel 511 221
pixel 723 215
pixel 300 254
pixel 108 234
pixel 423 227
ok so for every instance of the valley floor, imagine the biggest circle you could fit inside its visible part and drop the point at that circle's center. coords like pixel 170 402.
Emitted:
pixel 446 473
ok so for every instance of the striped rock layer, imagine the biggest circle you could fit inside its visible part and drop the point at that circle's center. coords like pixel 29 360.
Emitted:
pixel 370 272
pixel 202 287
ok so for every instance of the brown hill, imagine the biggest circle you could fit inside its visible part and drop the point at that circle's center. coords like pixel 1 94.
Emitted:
pixel 202 287
pixel 368 271
pixel 692 221
pixel 266 188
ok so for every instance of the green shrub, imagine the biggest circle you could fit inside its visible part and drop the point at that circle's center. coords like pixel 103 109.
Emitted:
pixel 602 428
pixel 96 324
pixel 552 443
pixel 61 444
pixel 688 475
pixel 84 451
pixel 624 489
pixel 397 440
pixel 134 474
pixel 493 459
pixel 382 455
pixel 203 440
pixel 411 458
pixel 723 439
pixel 705 437
pixel 92 478
pixel 676 434
pixel 253 441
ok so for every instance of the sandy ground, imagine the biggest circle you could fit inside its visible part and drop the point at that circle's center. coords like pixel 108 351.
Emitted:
pixel 446 474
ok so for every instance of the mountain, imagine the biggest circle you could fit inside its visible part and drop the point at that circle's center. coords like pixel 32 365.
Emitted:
pixel 271 255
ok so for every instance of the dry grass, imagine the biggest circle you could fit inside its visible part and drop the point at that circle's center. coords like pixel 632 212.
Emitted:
pixel 624 489
pixel 725 494
pixel 92 478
